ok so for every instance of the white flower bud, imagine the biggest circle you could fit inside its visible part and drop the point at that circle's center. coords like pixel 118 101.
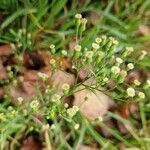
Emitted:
pixel 52 61
pixel 129 49
pixel 78 16
pixel 56 98
pixel 65 87
pixel 95 46
pixel 84 20
pixel 20 100
pixel 141 95
pixel 52 46
pixel 130 66
pixel 123 73
pixel 77 48
pixel 64 52
pixel 43 76
pixel 76 127
pixel 89 54
pixel 130 92
pixel 115 70
pixel 119 60
pixel 98 40
pixel 136 82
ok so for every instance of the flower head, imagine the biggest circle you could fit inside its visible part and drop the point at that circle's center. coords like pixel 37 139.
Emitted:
pixel 65 87
pixel 98 40
pixel 130 92
pixel 72 111
pixel 123 73
pixel 89 54
pixel 78 16
pixel 84 20
pixel 130 66
pixel 115 70
pixel 77 48
pixel 119 60
pixel 56 98
pixel 20 100
pixel 136 82
pixel 52 46
pixel 76 126
pixel 42 76
pixel 52 61
pixel 129 49
pixel 34 105
pixel 141 95
pixel 95 46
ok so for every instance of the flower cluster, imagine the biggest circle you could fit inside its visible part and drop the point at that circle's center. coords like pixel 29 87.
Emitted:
pixel 72 111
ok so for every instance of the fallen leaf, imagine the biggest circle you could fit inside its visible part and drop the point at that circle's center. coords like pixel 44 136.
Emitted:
pixel 60 77
pixel 96 105
pixel 31 144
pixel 6 50
pixel 1 92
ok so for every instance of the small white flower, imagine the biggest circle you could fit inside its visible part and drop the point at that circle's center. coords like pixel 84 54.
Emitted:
pixel 78 16
pixel 45 127
pixel 52 46
pixel 89 54
pixel 105 79
pixel 103 37
pixel 64 52
pixel 148 82
pixel 100 118
pixel 142 55
pixel 123 73
pixel 115 70
pixel 119 60
pixel 12 45
pixel 129 49
pixel 34 104
pixel 130 92
pixel 20 100
pixel 72 111
pixel 76 127
pixel 95 46
pixel 141 95
pixel 66 105
pixel 76 108
pixel 98 40
pixel 136 82
pixel 113 40
pixel 65 87
pixel 77 48
pixel 56 98
pixel 144 52
pixel 84 20
pixel 52 61
pixel 43 76
pixel 130 66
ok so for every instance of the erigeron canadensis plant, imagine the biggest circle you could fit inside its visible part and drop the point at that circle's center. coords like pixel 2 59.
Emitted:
pixel 104 64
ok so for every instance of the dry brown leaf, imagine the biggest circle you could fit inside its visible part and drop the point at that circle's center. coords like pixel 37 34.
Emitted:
pixel 3 73
pixel 1 92
pixel 6 50
pixel 60 77
pixel 97 104
pixel 31 144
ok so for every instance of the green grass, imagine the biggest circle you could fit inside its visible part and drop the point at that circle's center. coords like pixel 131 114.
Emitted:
pixel 52 22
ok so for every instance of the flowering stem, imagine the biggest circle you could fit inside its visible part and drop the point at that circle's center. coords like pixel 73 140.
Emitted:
pixel 47 140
